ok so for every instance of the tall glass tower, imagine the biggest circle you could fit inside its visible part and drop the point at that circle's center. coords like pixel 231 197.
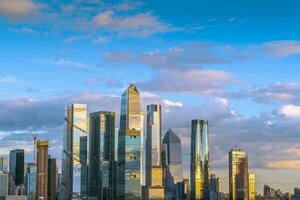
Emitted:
pixel 172 163
pixel 76 127
pixel 238 175
pixel 16 166
pixel 129 145
pixel 153 140
pixel 102 164
pixel 199 172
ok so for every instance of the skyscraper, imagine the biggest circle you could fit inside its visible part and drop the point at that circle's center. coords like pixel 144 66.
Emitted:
pixel 199 172
pixel 129 145
pixel 238 175
pixel 3 183
pixel 83 156
pixel 154 188
pixel 16 166
pixel 252 187
pixel 153 140
pixel 3 164
pixel 214 188
pixel 52 175
pixel 102 164
pixel 42 169
pixel 31 181
pixel 76 127
pixel 172 163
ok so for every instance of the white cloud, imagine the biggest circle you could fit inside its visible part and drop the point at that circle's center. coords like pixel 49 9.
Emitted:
pixel 9 79
pixel 280 48
pixel 291 110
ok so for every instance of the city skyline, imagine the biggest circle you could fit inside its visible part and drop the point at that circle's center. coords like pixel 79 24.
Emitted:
pixel 234 64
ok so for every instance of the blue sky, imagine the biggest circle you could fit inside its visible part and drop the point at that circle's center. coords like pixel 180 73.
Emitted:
pixel 235 63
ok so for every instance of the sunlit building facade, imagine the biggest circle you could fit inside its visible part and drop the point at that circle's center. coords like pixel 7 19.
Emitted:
pixel 42 170
pixel 76 127
pixel 130 145
pixel 199 167
pixel 173 171
pixel 3 164
pixel 102 164
pixel 238 175
pixel 153 140
pixel 252 187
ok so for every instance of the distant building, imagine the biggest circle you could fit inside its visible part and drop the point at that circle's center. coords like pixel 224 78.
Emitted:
pixel 14 197
pixel 214 188
pixel 31 181
pixel 102 164
pixel 252 187
pixel 296 194
pixel 4 184
pixel 238 175
pixel 16 166
pixel 42 169
pixel 3 164
pixel 52 176
pixel 199 166
pixel 130 145
pixel 76 127
pixel 172 163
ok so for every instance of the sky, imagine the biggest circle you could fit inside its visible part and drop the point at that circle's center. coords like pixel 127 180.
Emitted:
pixel 234 63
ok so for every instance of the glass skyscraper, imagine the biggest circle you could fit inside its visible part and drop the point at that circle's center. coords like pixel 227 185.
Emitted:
pixel 83 156
pixel 31 181
pixel 199 171
pixel 129 145
pixel 102 164
pixel 153 140
pixel 52 176
pixel 76 127
pixel 238 175
pixel 172 163
pixel 16 166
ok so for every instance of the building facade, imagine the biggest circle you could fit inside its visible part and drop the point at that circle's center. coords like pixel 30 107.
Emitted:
pixel 76 127
pixel 238 175
pixel 16 166
pixel 214 188
pixel 31 181
pixel 102 163
pixel 3 164
pixel 252 187
pixel 52 176
pixel 42 170
pixel 130 145
pixel 3 183
pixel 83 156
pixel 172 162
pixel 199 167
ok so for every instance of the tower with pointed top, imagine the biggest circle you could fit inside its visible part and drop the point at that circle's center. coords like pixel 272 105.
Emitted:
pixel 172 162
pixel 129 145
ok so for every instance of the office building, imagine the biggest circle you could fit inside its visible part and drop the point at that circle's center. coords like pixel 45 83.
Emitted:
pixel 16 166
pixel 153 140
pixel 252 187
pixel 199 167
pixel 42 169
pixel 102 164
pixel 31 181
pixel 83 156
pixel 76 127
pixel 52 176
pixel 3 183
pixel 296 194
pixel 130 145
pixel 3 164
pixel 214 188
pixel 172 162
pixel 238 175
